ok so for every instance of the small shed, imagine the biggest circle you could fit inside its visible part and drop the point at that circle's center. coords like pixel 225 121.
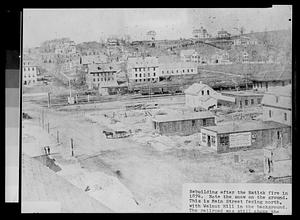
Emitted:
pixel 182 124
pixel 241 135
pixel 244 98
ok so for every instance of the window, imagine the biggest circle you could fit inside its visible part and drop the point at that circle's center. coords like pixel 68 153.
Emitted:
pixel 183 71
pixel 136 75
pixel 136 80
pixel 246 102
pixel 188 70
pixel 207 92
pixel 140 69
pixel 224 140
pixel 241 104
pixel 94 80
pixel 204 137
pixel 258 101
pixel 162 72
pixel 285 116
pixel 32 68
pixel 176 71
pixel 213 140
pixel 191 70
pixel 153 68
pixel 167 71
pixel 277 98
pixel 202 92
pixel 270 113
pixel 98 79
pixel 278 135
pixel 144 74
pixel 193 123
pixel 135 69
pixel 204 122
pixel 148 79
pixel 153 74
pixel 140 75
pixel 252 101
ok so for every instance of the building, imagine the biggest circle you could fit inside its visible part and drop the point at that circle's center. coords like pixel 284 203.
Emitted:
pixel 142 69
pixel 277 105
pixel 278 161
pixel 241 135
pixel 185 55
pixel 101 76
pixel 223 34
pixel 244 41
pixel 200 33
pixel 92 59
pixel 177 68
pixel 151 35
pixel 244 99
pixel 263 81
pixel 182 124
pixel 201 96
pixel 30 72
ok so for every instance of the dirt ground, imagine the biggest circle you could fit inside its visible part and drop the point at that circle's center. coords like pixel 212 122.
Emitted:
pixel 152 174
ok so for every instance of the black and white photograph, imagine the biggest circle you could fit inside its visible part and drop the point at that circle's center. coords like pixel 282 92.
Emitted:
pixel 121 107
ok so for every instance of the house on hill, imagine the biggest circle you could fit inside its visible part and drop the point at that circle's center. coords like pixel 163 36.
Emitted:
pixel 201 96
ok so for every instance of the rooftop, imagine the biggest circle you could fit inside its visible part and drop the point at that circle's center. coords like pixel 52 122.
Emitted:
pixel 244 126
pixel 195 88
pixel 242 93
pixel 183 117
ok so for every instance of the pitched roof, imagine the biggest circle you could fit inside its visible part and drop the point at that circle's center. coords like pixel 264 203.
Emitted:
pixel 275 75
pixel 195 88
pixel 183 117
pixel 244 126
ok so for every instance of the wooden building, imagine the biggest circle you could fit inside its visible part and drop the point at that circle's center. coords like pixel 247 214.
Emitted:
pixel 244 98
pixel 184 124
pixel 237 135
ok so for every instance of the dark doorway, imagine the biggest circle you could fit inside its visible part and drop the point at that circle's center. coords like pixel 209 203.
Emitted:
pixel 208 141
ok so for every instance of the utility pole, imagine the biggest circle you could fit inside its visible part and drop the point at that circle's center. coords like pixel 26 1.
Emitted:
pixel 48 127
pixel 72 147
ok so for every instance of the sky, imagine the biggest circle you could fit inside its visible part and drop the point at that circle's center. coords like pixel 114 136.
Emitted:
pixel 83 25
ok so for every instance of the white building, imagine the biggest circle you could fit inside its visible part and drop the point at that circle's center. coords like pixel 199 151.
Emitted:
pixel 30 72
pixel 202 96
pixel 185 55
pixel 101 75
pixel 277 105
pixel 142 69
pixel 177 68
pixel 244 41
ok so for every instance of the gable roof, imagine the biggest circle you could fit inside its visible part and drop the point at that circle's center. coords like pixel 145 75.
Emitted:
pixel 195 88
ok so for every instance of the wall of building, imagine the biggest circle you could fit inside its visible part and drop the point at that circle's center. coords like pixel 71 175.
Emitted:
pixel 259 139
pixel 283 116
pixel 185 127
pixel 103 78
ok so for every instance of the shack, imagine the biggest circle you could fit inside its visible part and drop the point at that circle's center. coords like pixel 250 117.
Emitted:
pixel 182 124
pixel 243 99
pixel 242 135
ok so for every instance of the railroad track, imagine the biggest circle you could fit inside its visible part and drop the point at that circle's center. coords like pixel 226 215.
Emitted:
pixel 62 101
